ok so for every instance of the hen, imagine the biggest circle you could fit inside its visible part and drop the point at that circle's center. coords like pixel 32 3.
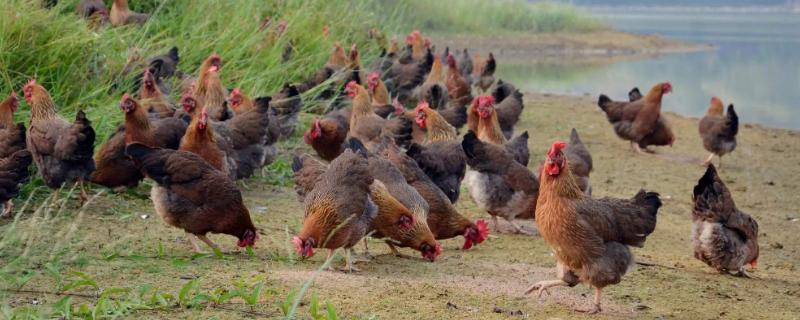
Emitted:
pixel 381 100
pixel 285 108
pixel 367 126
pixel 121 15
pixel 338 210
pixel 465 66
pixel 589 237
pixel 192 195
pixel 209 89
pixel 640 121
pixel 404 77
pixel 160 107
pixel 483 117
pixel 14 157
pixel 719 130
pixel 498 183
pixel 201 140
pixel 509 106
pixel 113 168
pixel 441 157
pixel 723 237
pixel 61 150
pixel 327 135
pixel 486 79
pixel 434 90
pixel 580 161
pixel 443 219
pixel 458 90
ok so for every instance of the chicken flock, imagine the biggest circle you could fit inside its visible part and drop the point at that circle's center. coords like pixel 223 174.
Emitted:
pixel 389 160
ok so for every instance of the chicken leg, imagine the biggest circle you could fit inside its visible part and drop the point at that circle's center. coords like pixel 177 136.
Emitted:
pixel 7 208
pixel 542 286
pixel 744 274
pixel 349 266
pixel 708 160
pixel 208 241
pixel 84 196
pixel 596 303
pixel 396 252
pixel 517 228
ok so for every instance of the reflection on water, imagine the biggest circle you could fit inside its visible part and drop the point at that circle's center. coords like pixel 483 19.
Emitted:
pixel 757 66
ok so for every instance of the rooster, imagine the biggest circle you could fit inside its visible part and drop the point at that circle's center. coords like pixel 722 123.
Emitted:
pixel 338 210
pixel 441 156
pixel 640 121
pixel 443 219
pixel 61 150
pixel 590 237
pixel 498 183
pixel 192 195
pixel 14 157
pixel 121 15
pixel 719 130
pixel 723 237
pixel 113 168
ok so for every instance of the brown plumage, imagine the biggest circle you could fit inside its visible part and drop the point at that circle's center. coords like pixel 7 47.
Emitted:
pixel 458 90
pixel 14 157
pixel 580 161
pixel 483 117
pixel 338 210
pixel 486 78
pixel 307 171
pixel 192 195
pixel 719 130
pixel 404 77
pixel 61 150
pixel 114 168
pixel 441 156
pixel 201 140
pixel 509 107
pixel 640 121
pixel 121 15
pixel 93 10
pixel 368 127
pixel 723 237
pixel 284 112
pixel 209 90
pixel 589 237
pixel 498 183
pixel 434 89
pixel 150 92
pixel 443 219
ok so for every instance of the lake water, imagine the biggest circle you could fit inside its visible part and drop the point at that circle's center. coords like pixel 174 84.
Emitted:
pixel 756 66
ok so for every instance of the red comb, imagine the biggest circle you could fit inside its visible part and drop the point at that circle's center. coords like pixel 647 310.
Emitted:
pixel 556 148
pixel 421 105
pixel 125 96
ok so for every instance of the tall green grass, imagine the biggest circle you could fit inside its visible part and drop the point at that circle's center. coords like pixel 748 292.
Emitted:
pixel 483 17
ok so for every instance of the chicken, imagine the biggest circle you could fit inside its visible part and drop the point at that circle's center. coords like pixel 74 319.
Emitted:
pixel 93 10
pixel 719 130
pixel 338 210
pixel 116 170
pixel 443 219
pixel 723 237
pixel 580 161
pixel 366 126
pixel 285 108
pixel 307 170
pixel 634 94
pixel 210 91
pixel 441 157
pixel 589 237
pixel 465 66
pixel 486 79
pixel 458 90
pixel 201 140
pixel 327 135
pixel 509 106
pixel 483 117
pixel 434 89
pixel 61 150
pixel 417 43
pixel 640 121
pixel 158 102
pixel 381 100
pixel 14 157
pixel 242 138
pixel 498 183
pixel 192 195
pixel 162 67
pixel 404 77
pixel 121 15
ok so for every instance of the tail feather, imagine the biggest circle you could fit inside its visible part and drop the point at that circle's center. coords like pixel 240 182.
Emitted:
pixel 732 121
pixel 358 147
pixel 469 144
pixel 603 101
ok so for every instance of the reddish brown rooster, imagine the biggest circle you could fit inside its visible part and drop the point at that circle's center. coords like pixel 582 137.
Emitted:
pixel 192 195
pixel 640 121
pixel 590 237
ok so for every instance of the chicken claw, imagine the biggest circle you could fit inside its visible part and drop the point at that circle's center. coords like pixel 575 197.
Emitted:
pixel 7 208
pixel 744 274
pixel 544 285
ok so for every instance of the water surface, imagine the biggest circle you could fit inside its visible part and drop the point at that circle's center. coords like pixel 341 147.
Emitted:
pixel 756 66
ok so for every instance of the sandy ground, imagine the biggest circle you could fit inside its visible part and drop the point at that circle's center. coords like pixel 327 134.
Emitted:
pixel 487 281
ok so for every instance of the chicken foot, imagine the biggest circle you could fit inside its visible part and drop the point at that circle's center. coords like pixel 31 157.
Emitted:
pixel 349 265
pixel 542 286
pixel 8 207
pixel 206 240
pixel 396 252
pixel 596 303
pixel 744 274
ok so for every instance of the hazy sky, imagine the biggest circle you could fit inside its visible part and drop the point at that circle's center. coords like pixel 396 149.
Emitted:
pixel 681 2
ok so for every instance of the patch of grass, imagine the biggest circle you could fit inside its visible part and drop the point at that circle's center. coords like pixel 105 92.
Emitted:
pixel 483 17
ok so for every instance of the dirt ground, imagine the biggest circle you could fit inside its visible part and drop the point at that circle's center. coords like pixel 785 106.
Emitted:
pixel 117 240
